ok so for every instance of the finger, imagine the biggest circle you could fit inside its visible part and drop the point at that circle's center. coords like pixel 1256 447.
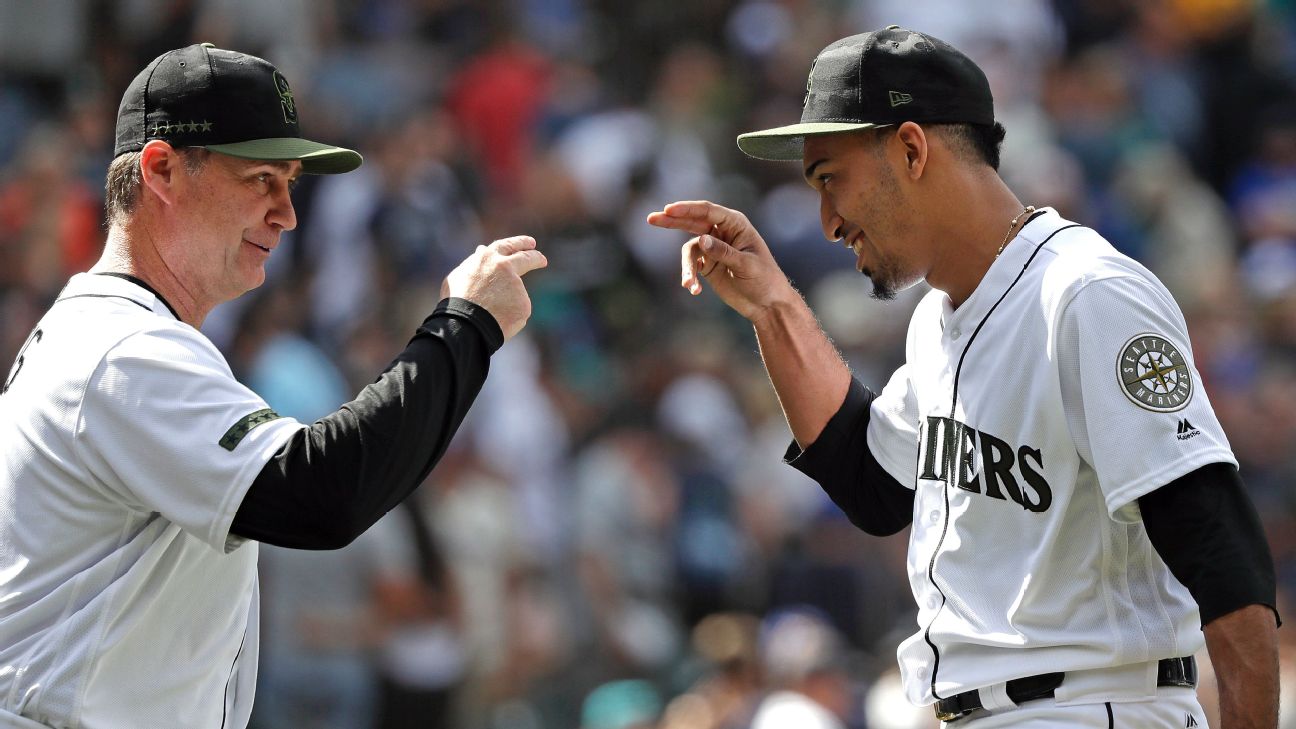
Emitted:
pixel 688 225
pixel 526 261
pixel 694 216
pixel 690 254
pixel 507 246
pixel 718 252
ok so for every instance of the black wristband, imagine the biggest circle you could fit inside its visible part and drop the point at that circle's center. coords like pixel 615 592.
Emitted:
pixel 840 460
pixel 476 315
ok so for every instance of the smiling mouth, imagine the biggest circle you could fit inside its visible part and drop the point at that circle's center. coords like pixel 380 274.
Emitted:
pixel 856 244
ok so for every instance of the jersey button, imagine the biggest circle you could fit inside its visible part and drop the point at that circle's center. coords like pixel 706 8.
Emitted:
pixel 955 333
pixel 934 516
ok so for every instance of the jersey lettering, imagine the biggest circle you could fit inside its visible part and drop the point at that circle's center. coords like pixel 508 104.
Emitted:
pixel 18 363
pixel 949 444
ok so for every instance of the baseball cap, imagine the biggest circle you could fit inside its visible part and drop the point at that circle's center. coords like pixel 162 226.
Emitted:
pixel 876 79
pixel 224 101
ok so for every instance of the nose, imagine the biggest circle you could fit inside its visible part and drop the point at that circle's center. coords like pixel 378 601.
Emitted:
pixel 829 220
pixel 281 214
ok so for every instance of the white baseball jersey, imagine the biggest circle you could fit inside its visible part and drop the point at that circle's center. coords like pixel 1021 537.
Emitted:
pixel 1028 422
pixel 126 446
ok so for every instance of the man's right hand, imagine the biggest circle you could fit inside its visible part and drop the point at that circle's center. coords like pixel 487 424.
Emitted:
pixel 492 279
pixel 729 253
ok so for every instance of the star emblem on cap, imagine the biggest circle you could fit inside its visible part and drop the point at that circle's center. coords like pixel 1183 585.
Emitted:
pixel 163 128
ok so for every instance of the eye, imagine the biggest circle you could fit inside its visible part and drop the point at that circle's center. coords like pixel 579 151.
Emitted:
pixel 293 183
pixel 823 179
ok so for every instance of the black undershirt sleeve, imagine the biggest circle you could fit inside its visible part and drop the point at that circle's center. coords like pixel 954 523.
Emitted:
pixel 1208 533
pixel 840 460
pixel 331 481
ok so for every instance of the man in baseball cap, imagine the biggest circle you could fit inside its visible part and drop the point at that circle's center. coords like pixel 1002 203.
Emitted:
pixel 1077 519
pixel 138 476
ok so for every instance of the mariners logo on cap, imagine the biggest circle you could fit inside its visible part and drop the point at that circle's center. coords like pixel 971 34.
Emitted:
pixel 1154 375
pixel 286 98
pixel 809 84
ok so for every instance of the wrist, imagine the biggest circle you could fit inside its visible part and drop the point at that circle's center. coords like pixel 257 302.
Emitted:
pixel 780 312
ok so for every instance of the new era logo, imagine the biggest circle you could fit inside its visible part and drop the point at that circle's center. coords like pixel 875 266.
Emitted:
pixel 899 99
pixel 1186 431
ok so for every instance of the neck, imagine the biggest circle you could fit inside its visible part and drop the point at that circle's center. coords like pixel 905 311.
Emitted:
pixel 132 248
pixel 972 221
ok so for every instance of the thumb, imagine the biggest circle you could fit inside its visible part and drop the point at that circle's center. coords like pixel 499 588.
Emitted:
pixel 525 261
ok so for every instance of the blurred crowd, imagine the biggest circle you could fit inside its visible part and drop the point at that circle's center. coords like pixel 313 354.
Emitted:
pixel 612 541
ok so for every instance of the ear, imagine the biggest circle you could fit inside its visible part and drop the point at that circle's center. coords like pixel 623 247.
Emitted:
pixel 160 170
pixel 913 142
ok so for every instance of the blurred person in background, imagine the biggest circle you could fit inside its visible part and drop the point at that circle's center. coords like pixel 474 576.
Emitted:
pixel 803 657
pixel 625 704
pixel 140 475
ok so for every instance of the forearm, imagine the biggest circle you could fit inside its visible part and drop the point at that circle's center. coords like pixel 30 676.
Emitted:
pixel 1243 648
pixel 333 480
pixel 842 463
pixel 805 368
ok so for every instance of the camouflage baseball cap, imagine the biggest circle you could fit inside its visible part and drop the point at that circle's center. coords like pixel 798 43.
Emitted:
pixel 224 101
pixel 876 79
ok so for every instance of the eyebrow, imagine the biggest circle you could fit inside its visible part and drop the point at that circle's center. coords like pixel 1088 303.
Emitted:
pixel 809 171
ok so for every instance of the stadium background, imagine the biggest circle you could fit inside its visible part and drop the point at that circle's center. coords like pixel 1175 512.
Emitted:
pixel 611 541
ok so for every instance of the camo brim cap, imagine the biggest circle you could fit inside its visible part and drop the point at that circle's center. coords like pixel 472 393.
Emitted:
pixel 876 79
pixel 224 101
pixel 784 144
pixel 317 158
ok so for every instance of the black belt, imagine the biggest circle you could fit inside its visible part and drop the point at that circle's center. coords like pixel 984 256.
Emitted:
pixel 1170 672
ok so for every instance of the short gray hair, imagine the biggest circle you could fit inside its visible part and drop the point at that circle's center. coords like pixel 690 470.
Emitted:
pixel 122 184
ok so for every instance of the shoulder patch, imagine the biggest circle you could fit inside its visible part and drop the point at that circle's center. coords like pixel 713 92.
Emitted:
pixel 239 430
pixel 1153 374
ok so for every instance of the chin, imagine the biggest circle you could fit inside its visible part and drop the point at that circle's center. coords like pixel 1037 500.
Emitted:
pixel 886 285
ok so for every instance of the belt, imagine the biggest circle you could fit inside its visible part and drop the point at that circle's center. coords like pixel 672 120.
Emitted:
pixel 1170 672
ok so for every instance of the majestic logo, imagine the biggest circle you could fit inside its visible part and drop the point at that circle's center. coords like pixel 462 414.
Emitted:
pixel 1189 720
pixel 949 445
pixel 1186 430
pixel 285 98
pixel 899 99
pixel 1153 374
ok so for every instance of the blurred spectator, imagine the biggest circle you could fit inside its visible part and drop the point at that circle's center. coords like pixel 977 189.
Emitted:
pixel 49 217
pixel 621 705
pixel 803 660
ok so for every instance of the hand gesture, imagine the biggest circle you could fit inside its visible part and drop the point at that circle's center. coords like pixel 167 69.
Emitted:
pixel 727 252
pixel 492 278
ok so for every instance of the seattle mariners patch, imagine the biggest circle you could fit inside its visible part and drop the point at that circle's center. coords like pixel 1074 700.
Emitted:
pixel 1154 374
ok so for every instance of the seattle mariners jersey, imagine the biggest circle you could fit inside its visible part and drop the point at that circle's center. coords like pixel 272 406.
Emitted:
pixel 128 446
pixel 1028 422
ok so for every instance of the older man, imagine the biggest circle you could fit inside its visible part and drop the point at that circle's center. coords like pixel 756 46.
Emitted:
pixel 137 475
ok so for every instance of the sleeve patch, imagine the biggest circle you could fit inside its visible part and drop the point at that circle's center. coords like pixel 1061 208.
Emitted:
pixel 239 430
pixel 1154 375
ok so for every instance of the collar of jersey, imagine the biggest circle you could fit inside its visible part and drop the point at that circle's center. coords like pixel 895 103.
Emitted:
pixel 92 284
pixel 1004 270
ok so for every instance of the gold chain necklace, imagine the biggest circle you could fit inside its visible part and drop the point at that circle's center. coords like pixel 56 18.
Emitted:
pixel 1026 211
